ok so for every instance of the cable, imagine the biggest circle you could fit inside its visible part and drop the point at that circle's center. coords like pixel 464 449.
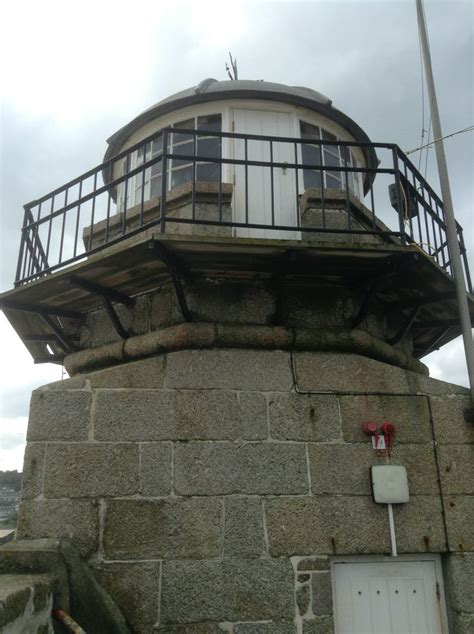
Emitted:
pixel 469 128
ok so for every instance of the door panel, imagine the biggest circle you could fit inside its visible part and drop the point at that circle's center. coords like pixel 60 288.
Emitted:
pixel 254 201
pixel 393 597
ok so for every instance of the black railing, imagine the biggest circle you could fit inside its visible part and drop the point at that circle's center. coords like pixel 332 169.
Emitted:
pixel 83 217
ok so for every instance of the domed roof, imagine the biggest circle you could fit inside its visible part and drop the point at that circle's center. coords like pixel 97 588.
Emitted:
pixel 211 89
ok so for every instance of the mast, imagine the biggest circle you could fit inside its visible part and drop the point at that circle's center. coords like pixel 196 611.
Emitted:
pixel 451 232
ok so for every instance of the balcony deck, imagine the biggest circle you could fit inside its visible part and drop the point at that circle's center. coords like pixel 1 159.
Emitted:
pixel 85 252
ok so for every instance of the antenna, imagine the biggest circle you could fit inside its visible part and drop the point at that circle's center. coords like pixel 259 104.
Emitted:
pixel 233 62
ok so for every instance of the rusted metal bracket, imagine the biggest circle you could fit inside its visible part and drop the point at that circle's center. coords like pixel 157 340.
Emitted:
pixel 406 326
pixel 104 291
pixel 61 337
pixel 165 256
pixel 107 296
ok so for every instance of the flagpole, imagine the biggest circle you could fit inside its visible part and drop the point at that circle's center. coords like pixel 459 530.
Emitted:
pixel 451 231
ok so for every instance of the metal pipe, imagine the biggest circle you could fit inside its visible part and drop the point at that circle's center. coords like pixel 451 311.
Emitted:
pixel 451 231
pixel 393 539
pixel 68 621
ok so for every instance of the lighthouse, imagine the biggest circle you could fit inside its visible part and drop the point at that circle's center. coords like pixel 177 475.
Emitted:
pixel 242 293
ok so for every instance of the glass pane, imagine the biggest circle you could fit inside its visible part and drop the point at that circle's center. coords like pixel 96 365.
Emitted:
pixel 183 148
pixel 309 131
pixel 345 155
pixel 138 156
pixel 181 176
pixel 311 155
pixel 327 136
pixel 156 168
pixel 157 145
pixel 210 122
pixel 311 178
pixel 156 187
pixel 187 125
pixel 208 147
pixel 333 180
pixel 208 172
pixel 330 159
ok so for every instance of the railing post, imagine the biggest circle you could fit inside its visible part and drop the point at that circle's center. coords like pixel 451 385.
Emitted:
pixel 164 179
pixel 22 247
pixel 401 216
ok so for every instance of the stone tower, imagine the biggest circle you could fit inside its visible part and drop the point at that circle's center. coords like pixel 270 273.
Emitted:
pixel 234 304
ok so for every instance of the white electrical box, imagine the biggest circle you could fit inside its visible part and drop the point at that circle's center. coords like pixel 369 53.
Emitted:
pixel 390 484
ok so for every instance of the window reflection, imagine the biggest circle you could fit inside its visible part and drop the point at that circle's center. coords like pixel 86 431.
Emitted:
pixel 329 156
pixel 182 167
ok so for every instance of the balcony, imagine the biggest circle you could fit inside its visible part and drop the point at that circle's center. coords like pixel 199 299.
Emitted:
pixel 233 213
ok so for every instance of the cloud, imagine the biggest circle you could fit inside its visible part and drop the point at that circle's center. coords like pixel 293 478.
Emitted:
pixel 77 73
pixel 12 443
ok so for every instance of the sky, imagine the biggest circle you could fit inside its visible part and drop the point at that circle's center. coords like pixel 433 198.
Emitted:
pixel 74 73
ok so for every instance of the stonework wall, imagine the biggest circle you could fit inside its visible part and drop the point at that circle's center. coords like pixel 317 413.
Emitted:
pixel 208 489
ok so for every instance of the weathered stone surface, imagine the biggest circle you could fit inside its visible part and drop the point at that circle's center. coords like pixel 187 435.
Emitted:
pixel 192 628
pixel 261 370
pixel 243 533
pixel 346 468
pixel 74 383
pixel 448 417
pixel 304 417
pixel 141 315
pixel 17 592
pixel 321 371
pixel 410 414
pixel 322 593
pixel 426 385
pixel 206 468
pixel 264 628
pixel 303 598
pixel 463 623
pixel 161 303
pixel 77 519
pixel 146 373
pixel 59 415
pixel 172 528
pixel 94 358
pixel 33 465
pixel 253 336
pixel 135 587
pixel 227 590
pixel 179 415
pixel 308 525
pixel 91 469
pixel 313 563
pixel 98 323
pixel 155 469
pixel 221 302
pixel 319 625
pixel 459 514
pixel 460 582
pixel 456 464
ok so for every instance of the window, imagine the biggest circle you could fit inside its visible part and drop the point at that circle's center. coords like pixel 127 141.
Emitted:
pixel 329 156
pixel 147 185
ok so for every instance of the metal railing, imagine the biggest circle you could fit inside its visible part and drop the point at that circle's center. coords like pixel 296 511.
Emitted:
pixel 82 217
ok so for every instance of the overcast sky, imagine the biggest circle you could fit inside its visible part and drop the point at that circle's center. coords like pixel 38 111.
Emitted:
pixel 73 73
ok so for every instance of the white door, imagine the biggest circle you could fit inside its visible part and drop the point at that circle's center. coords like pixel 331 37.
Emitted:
pixel 388 597
pixel 261 197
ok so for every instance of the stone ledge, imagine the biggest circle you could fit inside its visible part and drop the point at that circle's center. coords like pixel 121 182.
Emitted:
pixel 209 335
